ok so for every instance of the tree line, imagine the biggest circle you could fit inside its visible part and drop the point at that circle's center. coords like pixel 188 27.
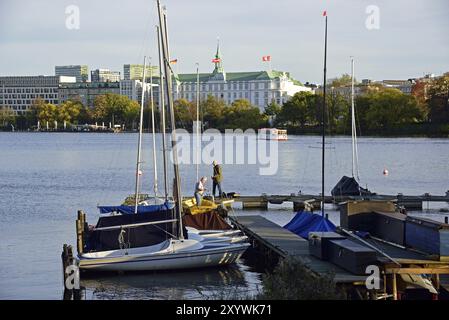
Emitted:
pixel 379 110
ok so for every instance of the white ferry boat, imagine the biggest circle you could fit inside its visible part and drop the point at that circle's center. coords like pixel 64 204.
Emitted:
pixel 273 134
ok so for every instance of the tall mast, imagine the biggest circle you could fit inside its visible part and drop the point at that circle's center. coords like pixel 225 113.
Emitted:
pixel 324 117
pixel 162 111
pixel 155 186
pixel 139 145
pixel 168 88
pixel 355 164
pixel 198 138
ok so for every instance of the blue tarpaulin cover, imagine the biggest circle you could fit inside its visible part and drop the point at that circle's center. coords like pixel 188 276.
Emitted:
pixel 140 209
pixel 305 222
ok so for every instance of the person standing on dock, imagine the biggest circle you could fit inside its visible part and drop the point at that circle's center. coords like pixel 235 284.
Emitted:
pixel 199 190
pixel 216 179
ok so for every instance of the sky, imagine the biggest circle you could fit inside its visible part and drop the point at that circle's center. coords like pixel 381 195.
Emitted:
pixel 410 38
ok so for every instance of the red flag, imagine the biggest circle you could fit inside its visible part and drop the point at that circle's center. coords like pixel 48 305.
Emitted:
pixel 324 13
pixel 266 58
pixel 216 60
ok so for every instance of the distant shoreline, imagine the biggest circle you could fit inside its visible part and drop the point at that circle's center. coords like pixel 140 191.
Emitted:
pixel 308 133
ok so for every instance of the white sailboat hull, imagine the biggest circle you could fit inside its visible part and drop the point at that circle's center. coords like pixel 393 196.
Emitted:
pixel 196 256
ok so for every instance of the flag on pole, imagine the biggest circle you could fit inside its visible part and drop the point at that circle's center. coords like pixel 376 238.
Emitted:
pixel 216 60
pixel 174 61
pixel 266 58
pixel 324 13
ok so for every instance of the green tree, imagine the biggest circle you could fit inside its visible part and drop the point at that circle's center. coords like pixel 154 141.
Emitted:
pixel 212 112
pixel 117 109
pixel 70 111
pixel 297 110
pixel 439 100
pixel 185 113
pixel 271 111
pixel 7 117
pixel 342 81
pixel 43 112
pixel 241 114
pixel 338 113
pixel 389 108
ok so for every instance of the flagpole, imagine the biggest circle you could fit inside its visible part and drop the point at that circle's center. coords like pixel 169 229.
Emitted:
pixel 324 117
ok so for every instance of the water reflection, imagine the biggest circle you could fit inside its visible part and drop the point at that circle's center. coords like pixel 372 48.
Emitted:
pixel 235 281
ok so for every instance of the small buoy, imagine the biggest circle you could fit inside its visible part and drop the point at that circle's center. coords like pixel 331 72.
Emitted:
pixel 385 172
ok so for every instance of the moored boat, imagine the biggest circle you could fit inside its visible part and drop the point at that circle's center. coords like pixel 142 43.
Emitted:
pixel 147 237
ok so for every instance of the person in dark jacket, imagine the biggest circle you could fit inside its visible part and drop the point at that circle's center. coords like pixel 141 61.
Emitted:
pixel 217 178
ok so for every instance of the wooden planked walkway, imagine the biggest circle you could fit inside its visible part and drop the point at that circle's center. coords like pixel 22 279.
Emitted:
pixel 287 244
pixel 412 202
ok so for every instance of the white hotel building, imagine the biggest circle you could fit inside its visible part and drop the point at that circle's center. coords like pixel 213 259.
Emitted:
pixel 260 87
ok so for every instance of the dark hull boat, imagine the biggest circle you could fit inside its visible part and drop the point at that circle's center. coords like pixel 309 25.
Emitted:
pixel 144 241
pixel 348 186
pixel 148 237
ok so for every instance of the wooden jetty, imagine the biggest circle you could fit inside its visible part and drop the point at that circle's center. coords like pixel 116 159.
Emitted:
pixel 286 244
pixel 301 201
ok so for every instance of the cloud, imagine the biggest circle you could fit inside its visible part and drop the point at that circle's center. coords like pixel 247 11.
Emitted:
pixel 411 40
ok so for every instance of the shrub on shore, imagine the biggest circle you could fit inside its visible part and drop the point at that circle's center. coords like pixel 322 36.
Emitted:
pixel 290 280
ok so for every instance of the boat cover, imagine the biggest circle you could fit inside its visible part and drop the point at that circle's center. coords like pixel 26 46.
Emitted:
pixel 348 186
pixel 130 209
pixel 305 222
pixel 141 236
pixel 206 221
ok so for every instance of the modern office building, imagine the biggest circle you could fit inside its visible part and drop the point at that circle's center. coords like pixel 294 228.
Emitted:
pixel 104 75
pixel 18 93
pixel 86 92
pixel 80 72
pixel 135 71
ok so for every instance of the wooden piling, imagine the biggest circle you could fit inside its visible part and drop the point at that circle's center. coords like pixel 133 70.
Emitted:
pixel 67 295
pixel 79 236
pixel 67 260
pixel 394 286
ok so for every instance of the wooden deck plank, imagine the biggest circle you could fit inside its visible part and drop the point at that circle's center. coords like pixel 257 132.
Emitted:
pixel 288 244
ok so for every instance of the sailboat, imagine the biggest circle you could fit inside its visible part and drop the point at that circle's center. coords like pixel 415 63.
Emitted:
pixel 349 186
pixel 212 213
pixel 208 206
pixel 157 239
pixel 305 222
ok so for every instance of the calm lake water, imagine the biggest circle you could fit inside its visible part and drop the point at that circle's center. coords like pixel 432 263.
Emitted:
pixel 46 177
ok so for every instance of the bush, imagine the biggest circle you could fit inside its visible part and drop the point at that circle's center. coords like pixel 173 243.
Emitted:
pixel 290 280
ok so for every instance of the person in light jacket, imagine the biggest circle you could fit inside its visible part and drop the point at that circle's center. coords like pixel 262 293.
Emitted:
pixel 199 190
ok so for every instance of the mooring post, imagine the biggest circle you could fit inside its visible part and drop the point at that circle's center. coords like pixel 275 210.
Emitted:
pixel 395 289
pixel 80 232
pixel 65 263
